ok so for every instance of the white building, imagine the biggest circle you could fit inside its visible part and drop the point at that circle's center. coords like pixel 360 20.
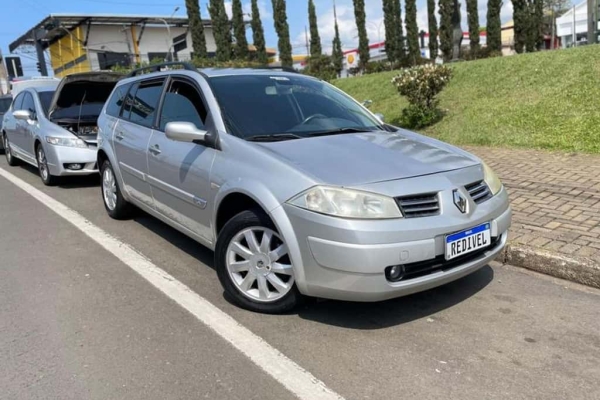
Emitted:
pixel 80 43
pixel 573 23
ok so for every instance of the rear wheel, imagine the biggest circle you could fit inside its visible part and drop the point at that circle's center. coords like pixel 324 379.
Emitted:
pixel 254 266
pixel 114 203
pixel 47 178
pixel 10 159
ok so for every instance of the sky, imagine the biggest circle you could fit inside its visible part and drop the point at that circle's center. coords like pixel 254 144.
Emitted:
pixel 18 16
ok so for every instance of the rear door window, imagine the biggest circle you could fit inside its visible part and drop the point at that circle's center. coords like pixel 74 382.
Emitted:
pixel 145 102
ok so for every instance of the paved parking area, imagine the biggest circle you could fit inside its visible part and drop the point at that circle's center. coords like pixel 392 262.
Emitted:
pixel 76 322
pixel 555 198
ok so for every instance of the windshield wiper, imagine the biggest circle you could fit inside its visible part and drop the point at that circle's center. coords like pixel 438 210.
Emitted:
pixel 276 137
pixel 340 131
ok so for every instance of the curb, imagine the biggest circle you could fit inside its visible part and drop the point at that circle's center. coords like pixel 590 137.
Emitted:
pixel 575 269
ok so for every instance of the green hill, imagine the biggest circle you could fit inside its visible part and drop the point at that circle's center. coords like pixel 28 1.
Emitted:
pixel 548 100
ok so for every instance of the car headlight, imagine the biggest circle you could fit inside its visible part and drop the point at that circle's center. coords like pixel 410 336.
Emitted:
pixel 64 141
pixel 491 179
pixel 347 203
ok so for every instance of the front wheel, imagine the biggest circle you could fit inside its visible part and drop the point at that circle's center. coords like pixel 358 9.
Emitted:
pixel 116 206
pixel 47 178
pixel 254 266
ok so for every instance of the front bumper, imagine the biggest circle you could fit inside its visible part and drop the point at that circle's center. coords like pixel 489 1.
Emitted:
pixel 346 260
pixel 58 156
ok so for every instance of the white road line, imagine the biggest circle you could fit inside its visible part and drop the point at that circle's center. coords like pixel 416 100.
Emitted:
pixel 297 380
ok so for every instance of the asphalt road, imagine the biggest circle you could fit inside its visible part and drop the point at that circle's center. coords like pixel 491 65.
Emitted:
pixel 77 323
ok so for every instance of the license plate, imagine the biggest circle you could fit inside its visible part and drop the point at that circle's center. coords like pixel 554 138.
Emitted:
pixel 461 243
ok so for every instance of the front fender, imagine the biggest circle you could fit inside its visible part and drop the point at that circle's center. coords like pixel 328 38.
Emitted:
pixel 261 194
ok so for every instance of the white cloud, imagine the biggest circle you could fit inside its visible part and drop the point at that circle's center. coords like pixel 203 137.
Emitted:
pixel 265 13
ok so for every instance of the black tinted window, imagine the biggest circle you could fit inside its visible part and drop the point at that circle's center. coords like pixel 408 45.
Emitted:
pixel 5 104
pixel 18 102
pixel 183 103
pixel 28 103
pixel 144 104
pixel 113 107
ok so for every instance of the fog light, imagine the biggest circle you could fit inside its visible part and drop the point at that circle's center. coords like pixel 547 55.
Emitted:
pixel 394 273
pixel 74 167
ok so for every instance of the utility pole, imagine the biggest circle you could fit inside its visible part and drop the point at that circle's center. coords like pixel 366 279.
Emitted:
pixel 306 38
pixel 37 38
pixel 592 12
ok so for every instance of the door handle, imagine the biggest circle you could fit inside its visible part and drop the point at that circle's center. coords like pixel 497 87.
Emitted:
pixel 119 135
pixel 155 149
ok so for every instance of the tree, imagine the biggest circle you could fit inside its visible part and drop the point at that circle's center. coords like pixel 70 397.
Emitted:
pixel 521 24
pixel 315 39
pixel 389 20
pixel 494 29
pixel 412 31
pixel 446 28
pixel 221 29
pixel 240 50
pixel 196 28
pixel 473 20
pixel 363 39
pixel 283 33
pixel 538 12
pixel 337 55
pixel 258 35
pixel 400 53
pixel 433 30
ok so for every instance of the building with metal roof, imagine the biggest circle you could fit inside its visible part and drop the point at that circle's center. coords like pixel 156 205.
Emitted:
pixel 90 42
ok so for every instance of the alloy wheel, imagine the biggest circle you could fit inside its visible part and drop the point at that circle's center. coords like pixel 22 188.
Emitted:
pixel 109 189
pixel 259 265
pixel 42 163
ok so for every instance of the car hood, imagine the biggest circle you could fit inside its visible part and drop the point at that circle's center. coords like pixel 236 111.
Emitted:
pixel 370 157
pixel 76 90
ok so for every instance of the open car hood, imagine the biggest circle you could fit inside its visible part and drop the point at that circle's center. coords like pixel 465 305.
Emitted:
pixel 76 90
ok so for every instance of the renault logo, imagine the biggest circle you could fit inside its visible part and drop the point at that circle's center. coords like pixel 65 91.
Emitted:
pixel 459 201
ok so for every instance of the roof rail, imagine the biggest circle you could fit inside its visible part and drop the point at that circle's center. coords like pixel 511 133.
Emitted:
pixel 285 69
pixel 158 67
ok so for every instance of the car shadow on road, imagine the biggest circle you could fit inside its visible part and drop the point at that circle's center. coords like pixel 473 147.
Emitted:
pixel 66 182
pixel 397 311
pixel 176 238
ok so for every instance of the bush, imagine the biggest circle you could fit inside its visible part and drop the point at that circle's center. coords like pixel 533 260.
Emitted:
pixel 197 62
pixel 320 67
pixel 420 85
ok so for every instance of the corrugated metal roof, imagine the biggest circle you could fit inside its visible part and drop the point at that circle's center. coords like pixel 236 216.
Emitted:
pixel 60 24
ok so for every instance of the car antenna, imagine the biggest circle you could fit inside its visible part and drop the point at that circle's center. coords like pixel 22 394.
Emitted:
pixel 80 107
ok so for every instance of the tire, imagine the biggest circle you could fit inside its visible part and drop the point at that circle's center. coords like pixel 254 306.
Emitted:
pixel 116 206
pixel 47 178
pixel 10 158
pixel 258 277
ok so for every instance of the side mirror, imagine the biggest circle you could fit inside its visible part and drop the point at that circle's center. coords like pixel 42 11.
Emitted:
pixel 23 115
pixel 380 117
pixel 185 132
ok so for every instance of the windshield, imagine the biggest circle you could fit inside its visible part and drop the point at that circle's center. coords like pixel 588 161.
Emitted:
pixel 5 104
pixel 262 105
pixel 46 99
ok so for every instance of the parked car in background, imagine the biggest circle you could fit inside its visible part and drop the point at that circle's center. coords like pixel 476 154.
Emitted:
pixel 298 189
pixel 55 128
pixel 4 105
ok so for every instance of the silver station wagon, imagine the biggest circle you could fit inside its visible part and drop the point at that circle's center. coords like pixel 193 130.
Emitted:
pixel 298 189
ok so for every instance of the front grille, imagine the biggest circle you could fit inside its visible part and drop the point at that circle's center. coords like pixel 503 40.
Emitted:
pixel 422 268
pixel 421 205
pixel 479 191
